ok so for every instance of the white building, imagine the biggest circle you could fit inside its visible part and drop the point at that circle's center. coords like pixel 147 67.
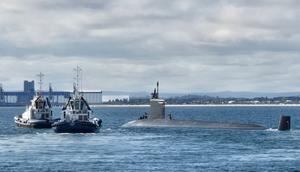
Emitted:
pixel 107 98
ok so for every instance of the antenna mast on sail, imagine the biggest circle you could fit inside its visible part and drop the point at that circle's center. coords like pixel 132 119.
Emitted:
pixel 157 87
pixel 40 75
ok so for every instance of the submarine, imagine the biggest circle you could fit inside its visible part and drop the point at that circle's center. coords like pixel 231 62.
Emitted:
pixel 157 118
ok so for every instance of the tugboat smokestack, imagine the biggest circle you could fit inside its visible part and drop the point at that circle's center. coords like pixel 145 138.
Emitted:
pixel 284 123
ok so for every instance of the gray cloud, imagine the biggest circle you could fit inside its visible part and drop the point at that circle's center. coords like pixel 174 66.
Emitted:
pixel 127 45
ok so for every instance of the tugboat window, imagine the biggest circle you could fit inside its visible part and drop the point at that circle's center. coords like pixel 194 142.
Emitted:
pixel 77 105
pixel 82 105
pixel 40 105
pixel 72 105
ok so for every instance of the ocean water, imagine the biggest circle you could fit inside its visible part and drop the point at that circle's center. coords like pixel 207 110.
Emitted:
pixel 156 149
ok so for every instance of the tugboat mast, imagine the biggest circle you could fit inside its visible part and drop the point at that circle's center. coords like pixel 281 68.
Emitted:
pixel 78 78
pixel 40 75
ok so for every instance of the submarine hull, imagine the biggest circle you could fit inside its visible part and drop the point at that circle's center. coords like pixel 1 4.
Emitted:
pixel 190 124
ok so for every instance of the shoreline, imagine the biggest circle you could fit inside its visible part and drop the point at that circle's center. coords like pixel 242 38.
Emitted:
pixel 207 105
pixel 184 105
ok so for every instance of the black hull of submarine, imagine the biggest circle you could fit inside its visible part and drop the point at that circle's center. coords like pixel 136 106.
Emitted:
pixel 190 124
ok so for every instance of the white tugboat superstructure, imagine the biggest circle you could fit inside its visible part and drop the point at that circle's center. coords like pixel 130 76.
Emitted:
pixel 39 113
pixel 76 114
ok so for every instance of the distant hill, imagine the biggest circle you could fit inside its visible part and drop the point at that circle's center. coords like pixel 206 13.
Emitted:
pixel 225 94
pixel 198 99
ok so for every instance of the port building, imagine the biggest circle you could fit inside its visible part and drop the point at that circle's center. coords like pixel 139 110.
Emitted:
pixel 22 98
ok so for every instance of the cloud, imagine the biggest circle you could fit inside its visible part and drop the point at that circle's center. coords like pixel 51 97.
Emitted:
pixel 128 45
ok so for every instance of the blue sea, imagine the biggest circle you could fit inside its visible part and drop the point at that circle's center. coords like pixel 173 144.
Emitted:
pixel 156 149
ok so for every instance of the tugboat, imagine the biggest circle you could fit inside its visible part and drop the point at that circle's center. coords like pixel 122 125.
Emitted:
pixel 76 115
pixel 38 114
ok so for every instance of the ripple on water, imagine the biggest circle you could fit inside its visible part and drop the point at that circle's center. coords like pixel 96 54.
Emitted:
pixel 156 149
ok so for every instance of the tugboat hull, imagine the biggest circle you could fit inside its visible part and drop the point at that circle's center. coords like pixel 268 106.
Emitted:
pixel 33 123
pixel 75 127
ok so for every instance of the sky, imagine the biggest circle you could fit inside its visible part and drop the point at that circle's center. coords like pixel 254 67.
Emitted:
pixel 127 45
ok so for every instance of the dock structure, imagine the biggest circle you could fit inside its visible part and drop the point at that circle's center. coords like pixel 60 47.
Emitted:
pixel 57 98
